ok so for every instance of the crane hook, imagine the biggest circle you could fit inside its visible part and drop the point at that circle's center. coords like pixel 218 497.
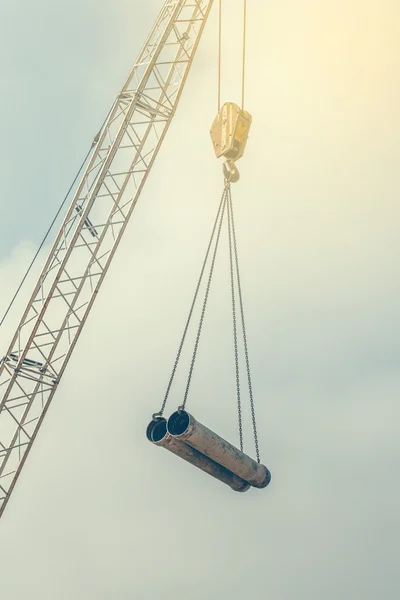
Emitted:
pixel 231 172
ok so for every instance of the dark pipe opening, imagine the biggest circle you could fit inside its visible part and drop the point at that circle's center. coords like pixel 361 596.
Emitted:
pixel 268 478
pixel 157 430
pixel 178 422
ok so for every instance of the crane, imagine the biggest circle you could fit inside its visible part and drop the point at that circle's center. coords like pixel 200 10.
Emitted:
pixel 115 171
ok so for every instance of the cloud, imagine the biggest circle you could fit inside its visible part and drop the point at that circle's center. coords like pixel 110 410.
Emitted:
pixel 98 512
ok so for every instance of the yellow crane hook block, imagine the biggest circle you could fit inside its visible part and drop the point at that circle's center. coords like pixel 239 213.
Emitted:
pixel 158 434
pixel 230 131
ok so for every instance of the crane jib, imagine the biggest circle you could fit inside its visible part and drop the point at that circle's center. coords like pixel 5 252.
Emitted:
pixel 117 168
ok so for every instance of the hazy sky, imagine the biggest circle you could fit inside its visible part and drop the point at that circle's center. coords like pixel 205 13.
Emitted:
pixel 98 513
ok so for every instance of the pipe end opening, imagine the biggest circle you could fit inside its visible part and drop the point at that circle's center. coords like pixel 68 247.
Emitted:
pixel 178 422
pixel 156 430
pixel 267 478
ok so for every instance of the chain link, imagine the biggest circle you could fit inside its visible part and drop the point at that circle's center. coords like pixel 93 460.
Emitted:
pixel 253 413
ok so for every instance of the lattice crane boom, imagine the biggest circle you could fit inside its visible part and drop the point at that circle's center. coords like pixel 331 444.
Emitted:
pixel 116 171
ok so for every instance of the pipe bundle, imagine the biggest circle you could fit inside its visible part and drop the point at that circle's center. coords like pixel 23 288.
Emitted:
pixel 184 436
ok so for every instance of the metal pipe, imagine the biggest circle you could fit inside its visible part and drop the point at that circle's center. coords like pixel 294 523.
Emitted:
pixel 184 427
pixel 157 434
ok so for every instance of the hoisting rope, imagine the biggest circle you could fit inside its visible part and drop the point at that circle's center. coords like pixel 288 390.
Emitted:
pixel 46 235
pixel 42 243
pixel 244 48
pixel 220 51
pixel 226 205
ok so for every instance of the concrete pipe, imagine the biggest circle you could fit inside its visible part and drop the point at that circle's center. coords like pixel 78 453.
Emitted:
pixel 184 427
pixel 157 434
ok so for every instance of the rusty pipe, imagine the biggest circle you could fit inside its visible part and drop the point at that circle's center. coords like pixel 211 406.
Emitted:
pixel 157 434
pixel 184 427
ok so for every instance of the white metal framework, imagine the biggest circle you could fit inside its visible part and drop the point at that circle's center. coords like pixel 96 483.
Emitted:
pixel 116 171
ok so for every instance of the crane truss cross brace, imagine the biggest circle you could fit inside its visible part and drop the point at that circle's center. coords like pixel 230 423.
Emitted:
pixel 116 170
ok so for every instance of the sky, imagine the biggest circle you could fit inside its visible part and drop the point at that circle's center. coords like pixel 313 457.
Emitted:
pixel 98 513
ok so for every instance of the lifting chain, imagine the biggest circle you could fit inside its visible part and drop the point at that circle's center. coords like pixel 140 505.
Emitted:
pixel 226 205
pixel 221 207
pixel 246 350
pixel 235 342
